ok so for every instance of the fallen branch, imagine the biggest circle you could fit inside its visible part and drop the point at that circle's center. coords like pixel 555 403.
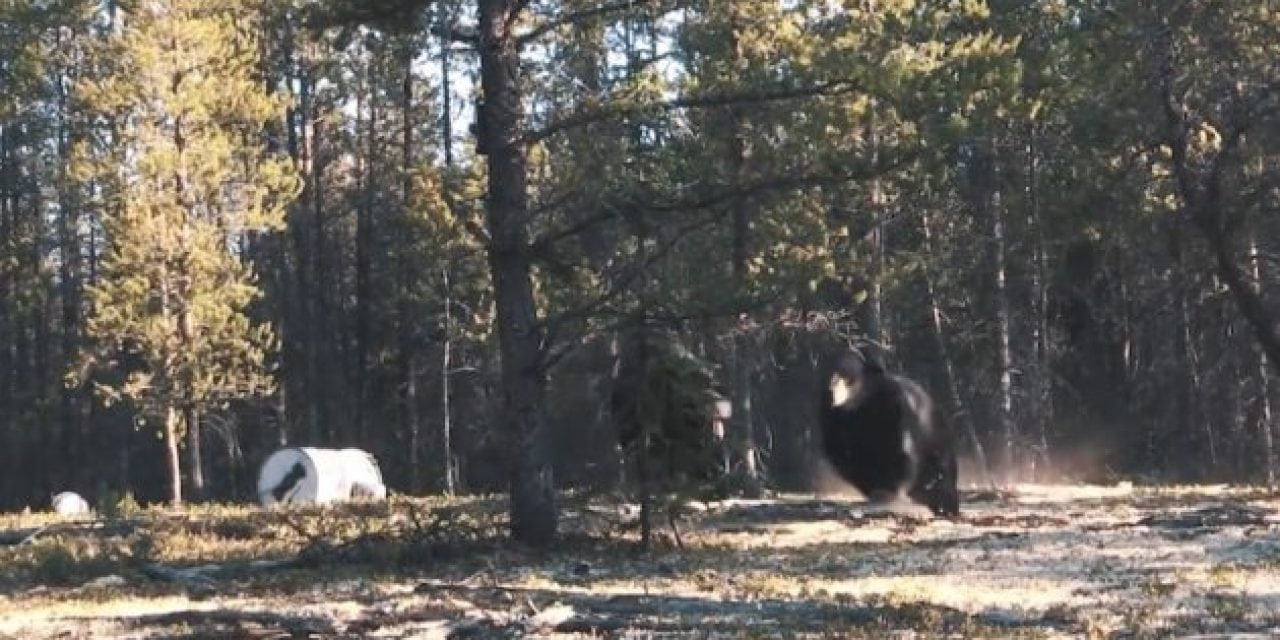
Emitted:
pixel 195 618
pixel 203 579
pixel 34 534
pixel 14 537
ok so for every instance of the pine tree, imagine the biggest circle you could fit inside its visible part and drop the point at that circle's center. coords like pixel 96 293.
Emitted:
pixel 172 303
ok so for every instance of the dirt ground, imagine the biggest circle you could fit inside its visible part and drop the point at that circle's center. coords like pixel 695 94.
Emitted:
pixel 1034 562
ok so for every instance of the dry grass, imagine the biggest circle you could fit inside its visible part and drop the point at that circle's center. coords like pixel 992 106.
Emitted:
pixel 1036 562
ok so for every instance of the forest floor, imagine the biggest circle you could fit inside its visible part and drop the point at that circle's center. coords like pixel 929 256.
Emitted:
pixel 1034 562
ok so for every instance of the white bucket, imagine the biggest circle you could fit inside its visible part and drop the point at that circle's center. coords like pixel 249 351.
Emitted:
pixel 308 475
pixel 69 503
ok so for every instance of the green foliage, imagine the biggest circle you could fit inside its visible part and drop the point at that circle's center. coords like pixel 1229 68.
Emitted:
pixel 170 310
pixel 115 505
pixel 663 398
pixel 750 173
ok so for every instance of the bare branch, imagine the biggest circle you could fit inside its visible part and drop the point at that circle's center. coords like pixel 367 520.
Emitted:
pixel 701 101
pixel 556 348
pixel 722 194
pixel 464 34
pixel 586 14
pixel 727 193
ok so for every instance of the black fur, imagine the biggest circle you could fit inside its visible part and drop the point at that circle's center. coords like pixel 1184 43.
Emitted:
pixel 866 438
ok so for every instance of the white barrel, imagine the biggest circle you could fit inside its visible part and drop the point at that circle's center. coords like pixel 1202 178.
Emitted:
pixel 310 475
pixel 69 503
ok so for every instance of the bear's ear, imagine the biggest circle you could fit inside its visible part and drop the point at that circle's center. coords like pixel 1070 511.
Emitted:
pixel 847 363
pixel 872 357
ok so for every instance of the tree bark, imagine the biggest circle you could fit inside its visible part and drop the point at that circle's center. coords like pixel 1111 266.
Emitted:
pixel 171 421
pixel 1193 415
pixel 520 334
pixel 1265 428
pixel 195 452
pixel 446 373
pixel 873 324
pixel 1041 381
pixel 302 147
pixel 446 89
pixel 1266 422
pixel 69 276
pixel 988 197
pixel 944 351
pixel 744 353
pixel 364 270
pixel 407 332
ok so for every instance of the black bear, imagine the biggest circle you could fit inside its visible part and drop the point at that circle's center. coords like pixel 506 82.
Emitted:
pixel 883 434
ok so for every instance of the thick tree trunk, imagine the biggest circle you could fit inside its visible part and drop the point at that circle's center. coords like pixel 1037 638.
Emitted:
pixel 69 285
pixel 745 355
pixel 322 343
pixel 408 343
pixel 364 274
pixel 302 146
pixel 520 334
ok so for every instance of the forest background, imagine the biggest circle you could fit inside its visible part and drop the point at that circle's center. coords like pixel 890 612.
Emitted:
pixel 423 228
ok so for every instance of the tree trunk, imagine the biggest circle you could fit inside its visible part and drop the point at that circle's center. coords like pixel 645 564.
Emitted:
pixel 195 452
pixel 1265 428
pixel 446 373
pixel 1194 415
pixel 171 421
pixel 944 351
pixel 1266 423
pixel 302 145
pixel 446 89
pixel 414 423
pixel 1041 382
pixel 873 323
pixel 744 361
pixel 520 334
pixel 405 263
pixel 364 273
pixel 69 285
pixel 989 195
pixel 745 356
